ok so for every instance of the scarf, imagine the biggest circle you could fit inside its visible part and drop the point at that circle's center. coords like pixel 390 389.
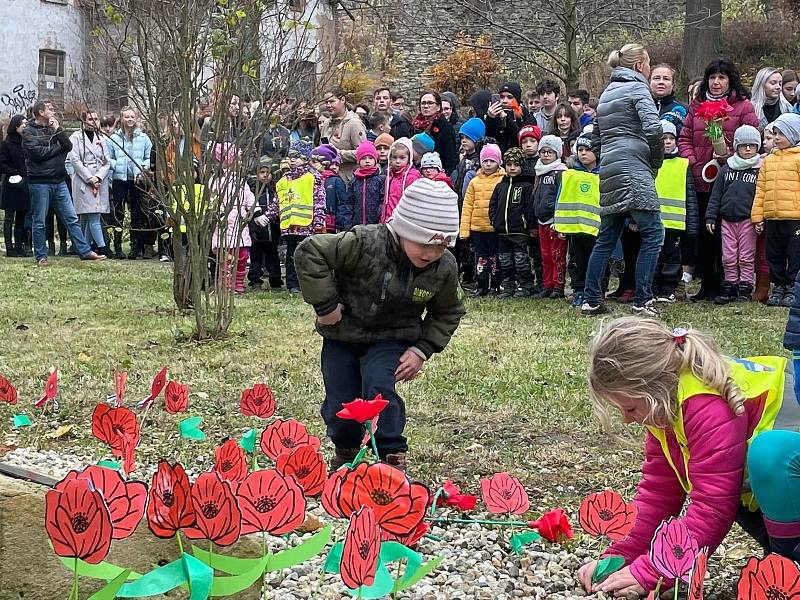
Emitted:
pixel 710 96
pixel 737 163
pixel 771 101
pixel 544 169
pixel 364 172
pixel 420 123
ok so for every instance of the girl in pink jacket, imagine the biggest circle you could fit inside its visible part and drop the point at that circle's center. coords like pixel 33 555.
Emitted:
pixel 401 174
pixel 706 417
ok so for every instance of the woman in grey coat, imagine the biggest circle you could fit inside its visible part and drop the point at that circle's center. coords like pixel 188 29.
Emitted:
pixel 629 140
pixel 90 166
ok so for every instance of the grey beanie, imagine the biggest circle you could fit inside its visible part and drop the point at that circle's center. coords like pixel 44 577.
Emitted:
pixel 552 142
pixel 427 214
pixel 746 134
pixel 789 125
pixel 669 128
pixel 431 159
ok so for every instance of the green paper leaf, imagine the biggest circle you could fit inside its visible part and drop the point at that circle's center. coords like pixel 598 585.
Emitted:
pixel 302 552
pixel 519 540
pixel 228 586
pixel 334 559
pixel 189 428
pixel 607 566
pixel 248 441
pixel 102 570
pixel 109 592
pixel 412 579
pixel 109 464
pixel 170 576
pixel 21 421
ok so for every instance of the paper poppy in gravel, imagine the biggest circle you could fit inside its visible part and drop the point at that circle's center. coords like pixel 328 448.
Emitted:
pixel 504 494
pixel 362 410
pixel 258 401
pixel 307 466
pixel 673 550
pixel 412 539
pixel 8 393
pixel 697 579
pixel 606 513
pixel 78 522
pixel 176 398
pixel 452 496
pixel 330 493
pixel 216 510
pixel 117 427
pixel 772 577
pixel 158 383
pixel 125 500
pixel 170 507
pixel 230 462
pixel 281 437
pixel 362 546
pixel 554 526
pixel 50 391
pixel 271 502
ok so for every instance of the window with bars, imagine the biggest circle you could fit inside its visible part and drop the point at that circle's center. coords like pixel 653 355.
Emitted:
pixel 51 63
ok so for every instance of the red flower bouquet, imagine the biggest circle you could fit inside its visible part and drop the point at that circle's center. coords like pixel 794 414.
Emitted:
pixel 713 112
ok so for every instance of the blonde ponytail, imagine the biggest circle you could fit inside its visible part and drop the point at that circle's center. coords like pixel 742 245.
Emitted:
pixel 627 56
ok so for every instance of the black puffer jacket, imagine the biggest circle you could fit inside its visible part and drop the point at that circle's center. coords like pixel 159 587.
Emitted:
pixel 45 153
pixel 510 206
pixel 732 195
pixel 14 196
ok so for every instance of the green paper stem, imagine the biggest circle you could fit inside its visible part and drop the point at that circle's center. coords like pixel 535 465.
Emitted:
pixel 372 440
pixel 248 441
pixel 358 458
pixel 479 521
pixel 519 540
pixel 109 591
pixel 104 570
pixel 75 582
pixel 180 548
pixel 607 566
pixel 436 497
pixel 677 581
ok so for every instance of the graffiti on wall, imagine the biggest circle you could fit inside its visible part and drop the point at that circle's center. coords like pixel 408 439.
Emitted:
pixel 18 99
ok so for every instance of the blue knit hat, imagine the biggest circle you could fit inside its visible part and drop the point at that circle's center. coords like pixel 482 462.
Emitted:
pixel 301 147
pixel 423 143
pixel 473 129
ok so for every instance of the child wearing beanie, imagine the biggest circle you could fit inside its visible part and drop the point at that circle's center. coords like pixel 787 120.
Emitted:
pixel 383 144
pixel 553 245
pixel 362 205
pixel 528 138
pixel 387 299
pixel 508 213
pixel 421 143
pixel 475 223
pixel 265 237
pixel 431 168
pixel 326 160
pixel 401 175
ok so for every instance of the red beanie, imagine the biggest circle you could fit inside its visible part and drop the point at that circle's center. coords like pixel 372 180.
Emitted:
pixel 529 131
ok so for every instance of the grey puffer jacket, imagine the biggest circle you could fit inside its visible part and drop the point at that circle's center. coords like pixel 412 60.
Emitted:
pixel 628 138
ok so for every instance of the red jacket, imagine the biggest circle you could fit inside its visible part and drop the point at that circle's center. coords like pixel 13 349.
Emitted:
pixel 693 144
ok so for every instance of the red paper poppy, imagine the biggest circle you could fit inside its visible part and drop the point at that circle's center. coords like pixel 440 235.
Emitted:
pixel 362 410
pixel 158 383
pixel 258 401
pixel 78 522
pixel 307 466
pixel 50 390
pixel 271 502
pixel 362 546
pixel 710 110
pixel 452 496
pixel 504 494
pixel 412 539
pixel 8 393
pixel 230 462
pixel 697 579
pixel 330 493
pixel 176 398
pixel 771 577
pixel 399 505
pixel 218 516
pixel 606 514
pixel 117 427
pixel 125 500
pixel 282 437
pixel 120 378
pixel 170 507
pixel 554 526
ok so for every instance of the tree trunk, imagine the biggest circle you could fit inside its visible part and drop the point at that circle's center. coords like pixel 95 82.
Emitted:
pixel 702 36
pixel 571 74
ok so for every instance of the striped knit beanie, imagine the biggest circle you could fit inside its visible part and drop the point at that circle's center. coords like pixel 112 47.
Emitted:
pixel 427 214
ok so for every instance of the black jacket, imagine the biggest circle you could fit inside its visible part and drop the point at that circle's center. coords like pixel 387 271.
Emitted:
pixel 732 195
pixel 504 129
pixel 510 206
pixel 445 142
pixel 400 127
pixel 272 232
pixel 544 197
pixel 45 152
pixel 14 196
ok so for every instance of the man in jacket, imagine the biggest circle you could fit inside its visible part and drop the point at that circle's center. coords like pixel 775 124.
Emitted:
pixel 399 125
pixel 46 146
pixel 345 130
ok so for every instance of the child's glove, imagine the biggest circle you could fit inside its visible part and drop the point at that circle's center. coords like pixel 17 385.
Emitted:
pixel 261 221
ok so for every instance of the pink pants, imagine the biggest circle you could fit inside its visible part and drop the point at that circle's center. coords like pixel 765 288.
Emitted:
pixel 739 251
pixel 231 281
pixel 554 257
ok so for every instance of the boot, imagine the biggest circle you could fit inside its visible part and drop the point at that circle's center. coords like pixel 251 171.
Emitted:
pixel 51 248
pixel 341 457
pixel 104 250
pixel 557 294
pixel 728 294
pixel 118 245
pixel 776 296
pixel 508 288
pixel 397 460
pixel 62 250
pixel 745 292
pixel 761 292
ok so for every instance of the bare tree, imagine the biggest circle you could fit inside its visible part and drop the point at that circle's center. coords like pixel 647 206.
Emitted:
pixel 702 35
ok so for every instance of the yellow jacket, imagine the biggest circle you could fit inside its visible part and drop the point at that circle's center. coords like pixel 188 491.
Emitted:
pixel 475 212
pixel 778 187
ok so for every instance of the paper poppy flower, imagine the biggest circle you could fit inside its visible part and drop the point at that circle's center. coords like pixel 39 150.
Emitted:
pixel 330 493
pixel 8 393
pixel 504 494
pixel 271 502
pixel 554 526
pixel 399 505
pixel 606 513
pixel 216 510
pixel 307 466
pixel 176 398
pixel 673 550
pixel 281 437
pixel 258 401
pixel 362 546
pixel 120 378
pixel 412 539
pixel 125 500
pixel 771 577
pixel 50 391
pixel 78 522
pixel 158 383
pixel 230 463
pixel 117 427
pixel 362 410
pixel 697 580
pixel 452 496
pixel 170 507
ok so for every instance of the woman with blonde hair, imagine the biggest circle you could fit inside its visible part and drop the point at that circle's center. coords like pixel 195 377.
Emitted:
pixel 767 96
pixel 711 423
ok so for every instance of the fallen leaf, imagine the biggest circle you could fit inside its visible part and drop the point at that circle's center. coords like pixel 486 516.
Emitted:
pixel 201 395
pixel 738 552
pixel 6 448
pixel 60 432
pixel 84 357
pixel 310 524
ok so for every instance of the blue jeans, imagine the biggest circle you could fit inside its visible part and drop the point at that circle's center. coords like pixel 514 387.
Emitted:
pixel 92 228
pixel 55 195
pixel 652 232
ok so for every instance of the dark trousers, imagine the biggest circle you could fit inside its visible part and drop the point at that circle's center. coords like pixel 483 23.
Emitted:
pixel 783 251
pixel 292 241
pixel 127 192
pixel 631 243
pixel 535 253
pixel 669 268
pixel 264 258
pixel 486 271
pixel 580 249
pixel 709 248
pixel 465 258
pixel 352 371
pixel 515 264
pixel 53 223
pixel 14 230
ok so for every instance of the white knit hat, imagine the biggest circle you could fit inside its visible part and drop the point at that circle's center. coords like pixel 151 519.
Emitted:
pixel 669 128
pixel 553 143
pixel 746 134
pixel 431 160
pixel 427 213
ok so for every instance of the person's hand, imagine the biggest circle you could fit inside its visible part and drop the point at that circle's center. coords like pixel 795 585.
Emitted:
pixel 633 226
pixel 711 227
pixel 585 575
pixel 495 110
pixel 261 221
pixel 759 228
pixel 534 233
pixel 408 367
pixel 562 236
pixel 720 157
pixel 55 124
pixel 620 584
pixel 333 317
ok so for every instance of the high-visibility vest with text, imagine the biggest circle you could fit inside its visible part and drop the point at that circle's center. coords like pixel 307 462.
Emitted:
pixel 296 201
pixel 578 203
pixel 671 190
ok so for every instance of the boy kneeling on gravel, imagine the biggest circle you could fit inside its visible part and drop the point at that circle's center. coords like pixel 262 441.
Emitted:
pixel 387 298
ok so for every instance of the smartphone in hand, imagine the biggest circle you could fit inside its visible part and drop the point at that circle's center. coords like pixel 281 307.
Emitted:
pixel 495 98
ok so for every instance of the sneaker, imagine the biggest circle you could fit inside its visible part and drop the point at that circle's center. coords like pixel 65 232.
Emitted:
pixel 615 294
pixel 745 292
pixel 397 460
pixel 545 293
pixel 294 290
pixel 577 299
pixel 648 309
pixel 341 457
pixel 667 298
pixel 523 293
pixel 788 300
pixel 728 294
pixel 556 294
pixel 164 258
pixel 627 296
pixel 680 291
pixel 776 296
pixel 506 293
pixel 593 309
pixel 42 262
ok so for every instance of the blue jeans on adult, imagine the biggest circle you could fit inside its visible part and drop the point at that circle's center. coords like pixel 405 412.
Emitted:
pixel 55 195
pixel 652 232
pixel 92 228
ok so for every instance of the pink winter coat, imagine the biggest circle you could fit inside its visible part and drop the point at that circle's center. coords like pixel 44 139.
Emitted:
pixel 396 183
pixel 693 144
pixel 717 442
pixel 236 203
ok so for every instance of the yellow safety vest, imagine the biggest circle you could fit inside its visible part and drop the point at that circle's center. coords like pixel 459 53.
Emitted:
pixel 296 201
pixel 759 378
pixel 199 190
pixel 671 190
pixel 578 203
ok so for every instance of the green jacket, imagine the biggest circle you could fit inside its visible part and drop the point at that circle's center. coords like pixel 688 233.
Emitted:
pixel 383 294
